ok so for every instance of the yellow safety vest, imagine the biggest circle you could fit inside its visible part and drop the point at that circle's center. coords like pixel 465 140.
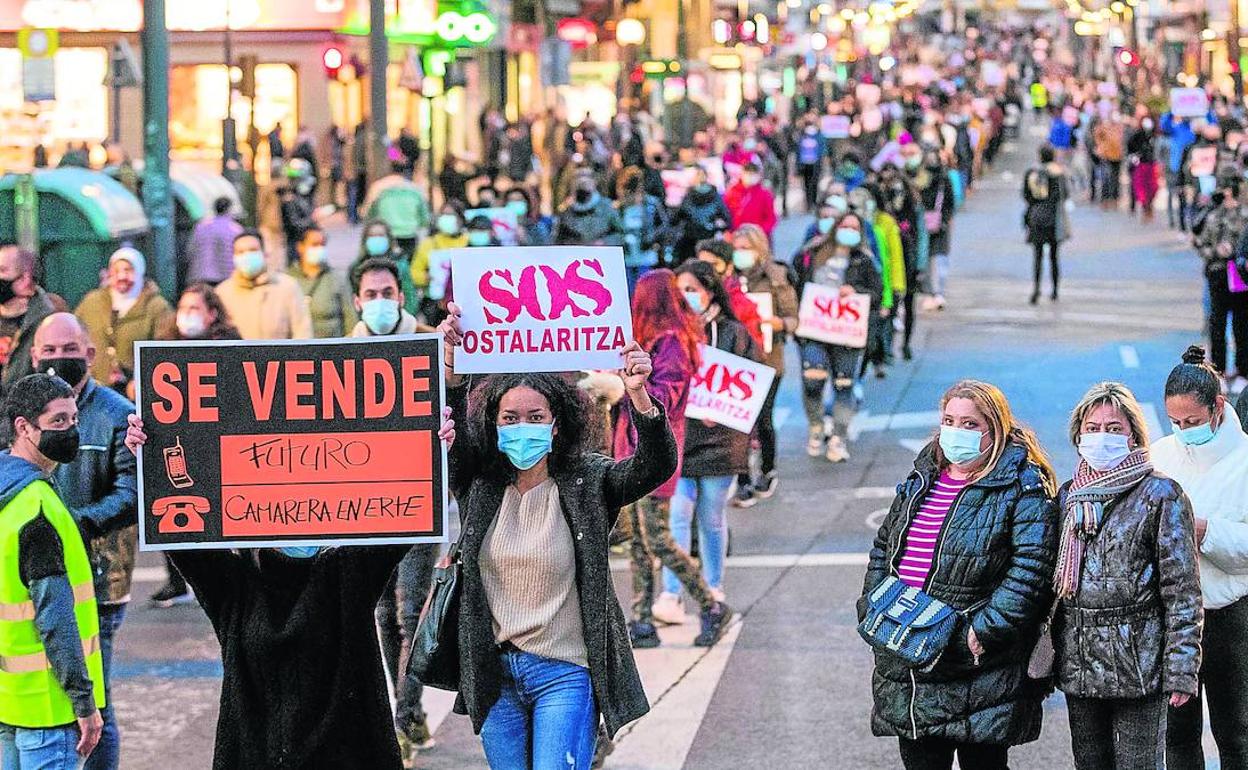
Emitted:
pixel 1039 95
pixel 30 695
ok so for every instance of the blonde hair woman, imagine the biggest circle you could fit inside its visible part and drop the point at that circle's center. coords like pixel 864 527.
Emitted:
pixel 758 272
pixel 1129 614
pixel 974 526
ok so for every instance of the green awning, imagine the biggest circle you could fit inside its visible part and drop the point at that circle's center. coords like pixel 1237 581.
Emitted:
pixel 111 210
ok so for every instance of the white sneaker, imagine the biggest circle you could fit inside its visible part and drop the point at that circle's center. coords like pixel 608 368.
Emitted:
pixel 939 301
pixel 814 442
pixel 669 610
pixel 837 451
pixel 929 303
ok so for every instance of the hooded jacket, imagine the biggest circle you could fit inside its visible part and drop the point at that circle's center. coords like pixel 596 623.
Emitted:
pixel 996 551
pixel 1215 478
pixel 702 214
pixel 595 222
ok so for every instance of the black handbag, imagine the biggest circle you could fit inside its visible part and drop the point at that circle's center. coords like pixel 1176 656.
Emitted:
pixel 434 658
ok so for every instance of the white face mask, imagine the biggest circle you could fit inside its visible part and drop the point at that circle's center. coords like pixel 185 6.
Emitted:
pixel 191 325
pixel 1103 451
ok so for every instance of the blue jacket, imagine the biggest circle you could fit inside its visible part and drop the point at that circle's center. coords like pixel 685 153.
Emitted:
pixel 1181 136
pixel 1061 135
pixel 100 489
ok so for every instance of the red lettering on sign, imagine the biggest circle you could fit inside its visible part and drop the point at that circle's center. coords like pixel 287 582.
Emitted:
pixel 298 386
pixel 261 393
pixel 499 288
pixel 378 388
pixel 840 308
pixel 200 387
pixel 409 367
pixel 339 389
pixel 719 379
pixel 165 375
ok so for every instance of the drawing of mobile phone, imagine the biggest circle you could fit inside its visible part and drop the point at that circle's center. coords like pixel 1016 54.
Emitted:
pixel 175 466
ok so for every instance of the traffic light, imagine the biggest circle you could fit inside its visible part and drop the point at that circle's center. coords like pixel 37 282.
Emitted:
pixel 333 58
pixel 1128 58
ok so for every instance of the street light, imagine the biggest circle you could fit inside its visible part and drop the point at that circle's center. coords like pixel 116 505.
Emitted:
pixel 630 32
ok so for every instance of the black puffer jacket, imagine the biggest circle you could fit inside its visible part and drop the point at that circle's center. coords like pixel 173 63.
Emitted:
pixel 1133 628
pixel 998 545
pixel 591 493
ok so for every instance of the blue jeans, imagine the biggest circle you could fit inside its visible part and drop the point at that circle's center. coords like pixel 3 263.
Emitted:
pixel 703 498
pixel 39 748
pixel 108 752
pixel 545 717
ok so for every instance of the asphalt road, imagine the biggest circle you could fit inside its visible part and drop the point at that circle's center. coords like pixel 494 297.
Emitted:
pixel 789 687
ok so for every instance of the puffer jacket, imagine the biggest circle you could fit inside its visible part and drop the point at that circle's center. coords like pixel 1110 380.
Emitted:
pixel 1133 627
pixel 998 545
pixel 114 336
pixel 717 450
pixel 100 489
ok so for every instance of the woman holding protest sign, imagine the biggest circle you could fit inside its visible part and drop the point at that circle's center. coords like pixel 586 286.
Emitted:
pixel 303 683
pixel 713 454
pixel 837 260
pixel 666 327
pixel 543 645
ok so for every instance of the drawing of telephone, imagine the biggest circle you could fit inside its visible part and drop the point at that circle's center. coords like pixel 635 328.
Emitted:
pixel 180 513
pixel 175 466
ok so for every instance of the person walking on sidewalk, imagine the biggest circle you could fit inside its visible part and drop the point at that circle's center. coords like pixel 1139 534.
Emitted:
pixel 974 526
pixel 1126 570
pixel 1207 454
pixel 1045 191
pixel 51 669
pixel 1223 245
pixel 669 331
pixel 328 295
pixel 543 646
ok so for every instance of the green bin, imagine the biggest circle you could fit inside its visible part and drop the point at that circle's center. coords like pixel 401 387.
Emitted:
pixel 84 216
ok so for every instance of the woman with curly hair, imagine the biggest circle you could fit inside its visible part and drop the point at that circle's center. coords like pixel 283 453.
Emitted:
pixel 544 649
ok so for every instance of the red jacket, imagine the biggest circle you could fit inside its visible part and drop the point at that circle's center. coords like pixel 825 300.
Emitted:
pixel 751 206
pixel 744 309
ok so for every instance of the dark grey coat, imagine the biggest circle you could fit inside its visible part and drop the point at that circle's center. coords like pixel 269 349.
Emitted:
pixel 1133 627
pixel 998 545
pixel 591 494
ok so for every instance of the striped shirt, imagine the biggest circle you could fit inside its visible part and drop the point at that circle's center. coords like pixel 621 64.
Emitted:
pixel 921 538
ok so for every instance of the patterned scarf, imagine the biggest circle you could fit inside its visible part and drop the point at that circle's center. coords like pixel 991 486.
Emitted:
pixel 1085 510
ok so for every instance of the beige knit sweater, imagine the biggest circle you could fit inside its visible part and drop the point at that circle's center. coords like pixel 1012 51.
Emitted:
pixel 528 568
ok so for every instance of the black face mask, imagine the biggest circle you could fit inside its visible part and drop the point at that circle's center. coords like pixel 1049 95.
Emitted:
pixel 583 196
pixel 72 370
pixel 6 290
pixel 59 445
pixel 1219 198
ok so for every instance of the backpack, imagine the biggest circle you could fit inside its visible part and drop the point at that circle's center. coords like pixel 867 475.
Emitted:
pixel 808 151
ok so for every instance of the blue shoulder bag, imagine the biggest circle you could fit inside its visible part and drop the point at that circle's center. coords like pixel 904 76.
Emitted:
pixel 906 622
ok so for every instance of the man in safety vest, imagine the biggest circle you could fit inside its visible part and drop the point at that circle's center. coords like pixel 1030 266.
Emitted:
pixel 51 674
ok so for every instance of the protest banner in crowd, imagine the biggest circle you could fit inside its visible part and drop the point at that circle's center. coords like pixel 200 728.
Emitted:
pixel 291 443
pixel 729 390
pixel 503 220
pixel 825 316
pixel 541 309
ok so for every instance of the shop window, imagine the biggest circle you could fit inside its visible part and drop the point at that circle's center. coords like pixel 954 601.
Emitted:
pixel 197 101
pixel 79 113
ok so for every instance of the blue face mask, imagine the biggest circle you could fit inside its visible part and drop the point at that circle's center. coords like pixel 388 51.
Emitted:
pixel 519 208
pixel 448 224
pixel 249 263
pixel 848 238
pixel 960 445
pixel 695 301
pixel 826 224
pixel 1197 436
pixel 479 237
pixel 377 245
pixel 743 259
pixel 380 315
pixel 527 443
pixel 300 551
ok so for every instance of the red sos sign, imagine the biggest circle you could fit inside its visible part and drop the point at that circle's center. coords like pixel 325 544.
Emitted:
pixel 722 381
pixel 840 309
pixel 545 293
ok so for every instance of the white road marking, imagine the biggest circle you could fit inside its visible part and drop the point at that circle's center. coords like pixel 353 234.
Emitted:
pixel 865 422
pixel 914 445
pixel 1130 358
pixel 1105 319
pixel 681 680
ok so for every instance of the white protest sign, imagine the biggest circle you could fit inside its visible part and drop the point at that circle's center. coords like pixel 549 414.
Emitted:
pixel 766 311
pixel 729 390
pixel 835 126
pixel 826 316
pixel 1203 161
pixel 504 221
pixel 1189 102
pixel 541 309
pixel 992 73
